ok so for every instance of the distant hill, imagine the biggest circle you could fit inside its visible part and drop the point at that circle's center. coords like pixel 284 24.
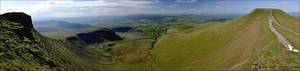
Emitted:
pixel 294 14
pixel 111 20
pixel 55 25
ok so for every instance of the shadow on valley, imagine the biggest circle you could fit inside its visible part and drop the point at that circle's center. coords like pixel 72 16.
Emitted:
pixel 99 36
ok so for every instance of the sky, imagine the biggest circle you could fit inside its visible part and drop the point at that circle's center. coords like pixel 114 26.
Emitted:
pixel 80 8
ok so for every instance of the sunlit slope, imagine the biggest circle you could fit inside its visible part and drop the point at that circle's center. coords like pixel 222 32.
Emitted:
pixel 287 21
pixel 233 45
pixel 276 57
pixel 289 26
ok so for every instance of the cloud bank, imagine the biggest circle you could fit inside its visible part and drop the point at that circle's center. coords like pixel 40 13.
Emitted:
pixel 84 8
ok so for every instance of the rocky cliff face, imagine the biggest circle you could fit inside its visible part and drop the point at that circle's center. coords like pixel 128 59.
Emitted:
pixel 25 24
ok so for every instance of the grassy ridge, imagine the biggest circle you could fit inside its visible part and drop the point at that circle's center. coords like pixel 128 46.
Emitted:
pixel 40 54
pixel 276 56
pixel 290 22
pixel 234 45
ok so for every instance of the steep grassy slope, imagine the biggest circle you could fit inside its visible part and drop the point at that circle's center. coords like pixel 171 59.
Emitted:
pixel 30 51
pixel 234 45
pixel 30 55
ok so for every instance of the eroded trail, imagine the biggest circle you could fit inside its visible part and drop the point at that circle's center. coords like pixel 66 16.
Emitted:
pixel 280 38
pixel 276 22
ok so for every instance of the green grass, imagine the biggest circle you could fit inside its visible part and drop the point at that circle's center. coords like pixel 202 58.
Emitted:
pixel 130 54
pixel 182 27
pixel 277 56
pixel 40 54
pixel 219 46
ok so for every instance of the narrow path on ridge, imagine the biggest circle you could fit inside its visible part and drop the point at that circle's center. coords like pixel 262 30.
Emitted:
pixel 276 22
pixel 281 39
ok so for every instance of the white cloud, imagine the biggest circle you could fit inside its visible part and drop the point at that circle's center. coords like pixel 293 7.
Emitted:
pixel 55 2
pixel 202 10
pixel 80 8
pixel 173 6
pixel 276 4
pixel 162 9
pixel 71 8
pixel 218 7
pixel 222 2
pixel 199 10
pixel 187 1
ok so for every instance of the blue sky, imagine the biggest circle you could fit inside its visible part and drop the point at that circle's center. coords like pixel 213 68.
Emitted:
pixel 79 8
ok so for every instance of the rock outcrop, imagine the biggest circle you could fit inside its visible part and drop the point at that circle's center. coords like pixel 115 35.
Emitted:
pixel 25 24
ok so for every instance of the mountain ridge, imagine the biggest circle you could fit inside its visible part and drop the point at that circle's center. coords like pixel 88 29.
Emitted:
pixel 34 52
pixel 233 45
